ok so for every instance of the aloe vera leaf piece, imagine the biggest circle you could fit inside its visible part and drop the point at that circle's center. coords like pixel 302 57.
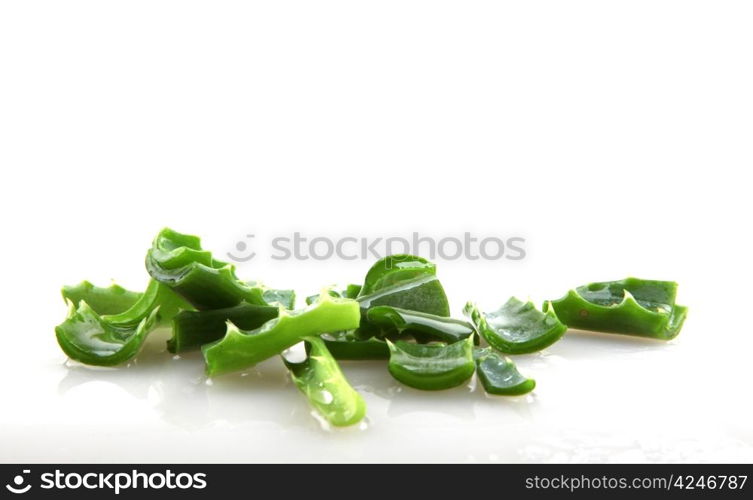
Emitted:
pixel 178 261
pixel 499 375
pixel 89 338
pixel 109 339
pixel 155 296
pixel 431 367
pixel 424 327
pixel 517 327
pixel 644 308
pixel 192 329
pixel 321 380
pixel 393 269
pixel 238 349
pixel 103 300
pixel 346 346
pixel 421 294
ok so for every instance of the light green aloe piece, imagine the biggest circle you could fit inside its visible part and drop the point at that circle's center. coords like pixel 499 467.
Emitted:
pixel 239 349
pixel 320 379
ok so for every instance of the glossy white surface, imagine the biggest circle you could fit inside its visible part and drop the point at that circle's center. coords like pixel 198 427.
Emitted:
pixel 615 138
pixel 600 398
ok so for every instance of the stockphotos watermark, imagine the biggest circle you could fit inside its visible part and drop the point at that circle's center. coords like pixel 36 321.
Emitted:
pixel 114 482
pixel 299 246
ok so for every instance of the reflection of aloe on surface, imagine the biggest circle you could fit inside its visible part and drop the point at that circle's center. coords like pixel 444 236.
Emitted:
pixel 399 313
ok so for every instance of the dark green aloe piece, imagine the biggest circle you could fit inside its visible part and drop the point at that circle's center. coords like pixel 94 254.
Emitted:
pixel 178 261
pixel 431 367
pixel 193 329
pixel 346 345
pixel 422 326
pixel 499 375
pixel 403 281
pixel 394 269
pixel 632 306
pixel 517 327
pixel 319 377
pixel 422 294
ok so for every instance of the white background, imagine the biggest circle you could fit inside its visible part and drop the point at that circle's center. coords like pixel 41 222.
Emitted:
pixel 614 136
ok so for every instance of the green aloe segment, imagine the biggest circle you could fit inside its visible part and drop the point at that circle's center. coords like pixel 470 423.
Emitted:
pixel 239 349
pixel 346 345
pixel 394 269
pixel 499 375
pixel 320 379
pixel 517 327
pixel 178 261
pixel 422 294
pixel 431 367
pixel 644 308
pixel 193 329
pixel 93 338
pixel 422 326
pixel 113 299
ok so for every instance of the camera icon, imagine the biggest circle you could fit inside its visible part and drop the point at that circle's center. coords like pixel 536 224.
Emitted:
pixel 17 487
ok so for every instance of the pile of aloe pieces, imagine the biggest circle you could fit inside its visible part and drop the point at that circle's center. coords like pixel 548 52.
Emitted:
pixel 399 314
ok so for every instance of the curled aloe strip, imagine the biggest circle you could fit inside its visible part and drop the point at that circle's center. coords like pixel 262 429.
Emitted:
pixel 103 300
pixel 178 261
pixel 238 349
pixel 320 379
pixel 499 375
pixel 89 338
pixel 192 329
pixel 110 339
pixel 517 327
pixel 632 306
pixel 424 327
pixel 431 367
